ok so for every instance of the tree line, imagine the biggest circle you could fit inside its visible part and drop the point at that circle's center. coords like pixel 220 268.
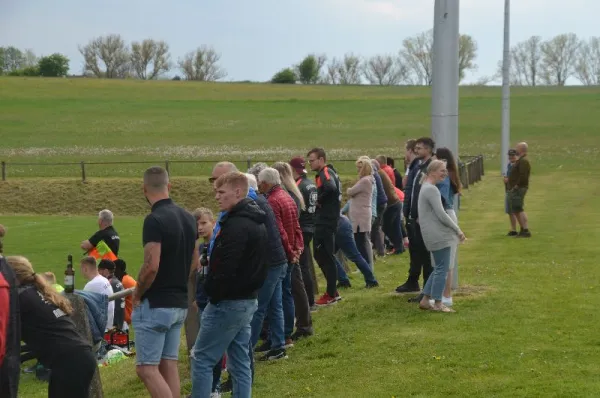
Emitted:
pixel 533 62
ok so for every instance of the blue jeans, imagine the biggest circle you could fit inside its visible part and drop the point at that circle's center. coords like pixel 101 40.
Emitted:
pixel 344 241
pixel 288 304
pixel 218 369
pixel 157 333
pixel 436 282
pixel 225 327
pixel 270 299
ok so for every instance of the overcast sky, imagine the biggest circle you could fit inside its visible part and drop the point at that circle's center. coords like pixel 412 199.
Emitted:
pixel 257 38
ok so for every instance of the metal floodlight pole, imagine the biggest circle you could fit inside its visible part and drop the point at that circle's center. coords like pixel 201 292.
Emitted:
pixel 444 92
pixel 505 90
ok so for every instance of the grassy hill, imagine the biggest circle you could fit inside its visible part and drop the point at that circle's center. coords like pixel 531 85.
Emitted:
pixel 526 321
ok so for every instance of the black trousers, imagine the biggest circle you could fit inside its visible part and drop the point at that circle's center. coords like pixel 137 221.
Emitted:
pixel 420 257
pixel 307 268
pixel 72 375
pixel 324 244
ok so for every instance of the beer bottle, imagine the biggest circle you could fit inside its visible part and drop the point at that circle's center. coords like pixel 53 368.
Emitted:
pixel 69 276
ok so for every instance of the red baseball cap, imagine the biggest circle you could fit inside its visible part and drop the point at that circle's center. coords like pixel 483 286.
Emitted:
pixel 298 164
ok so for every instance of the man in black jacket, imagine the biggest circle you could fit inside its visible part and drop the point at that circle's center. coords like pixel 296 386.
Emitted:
pixel 307 224
pixel 420 258
pixel 327 214
pixel 236 273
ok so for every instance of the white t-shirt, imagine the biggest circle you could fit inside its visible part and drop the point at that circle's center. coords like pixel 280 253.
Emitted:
pixel 101 285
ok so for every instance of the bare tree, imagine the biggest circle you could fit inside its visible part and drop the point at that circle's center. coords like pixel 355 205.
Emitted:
pixel 385 70
pixel 29 59
pixel 526 60
pixel 349 70
pixel 467 52
pixel 417 55
pixel 587 66
pixel 202 65
pixel 558 59
pixel 332 75
pixel 150 54
pixel 107 56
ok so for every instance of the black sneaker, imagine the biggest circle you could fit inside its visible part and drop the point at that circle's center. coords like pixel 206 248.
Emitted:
pixel 416 299
pixel 408 288
pixel 344 285
pixel 524 234
pixel 299 334
pixel 264 347
pixel 314 308
pixel 512 233
pixel 371 285
pixel 274 355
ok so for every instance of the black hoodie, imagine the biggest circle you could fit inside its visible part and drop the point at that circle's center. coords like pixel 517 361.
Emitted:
pixel 329 198
pixel 237 265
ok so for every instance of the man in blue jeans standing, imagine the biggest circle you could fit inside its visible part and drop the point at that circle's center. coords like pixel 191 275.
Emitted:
pixel 344 241
pixel 160 299
pixel 236 273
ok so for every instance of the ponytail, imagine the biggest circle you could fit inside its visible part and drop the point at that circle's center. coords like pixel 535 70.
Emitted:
pixel 26 275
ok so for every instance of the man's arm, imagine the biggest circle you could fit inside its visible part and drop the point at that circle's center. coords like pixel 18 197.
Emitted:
pixel 91 242
pixel 149 268
pixel 524 171
pixel 195 267
pixel 86 245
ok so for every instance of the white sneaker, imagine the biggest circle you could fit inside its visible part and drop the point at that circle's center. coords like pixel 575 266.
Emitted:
pixel 447 301
pixel 215 395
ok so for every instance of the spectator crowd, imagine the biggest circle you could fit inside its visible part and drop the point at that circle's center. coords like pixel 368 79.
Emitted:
pixel 242 282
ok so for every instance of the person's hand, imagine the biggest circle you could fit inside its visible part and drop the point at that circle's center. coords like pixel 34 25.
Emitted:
pixel 462 237
pixel 406 242
pixel 135 301
pixel 506 180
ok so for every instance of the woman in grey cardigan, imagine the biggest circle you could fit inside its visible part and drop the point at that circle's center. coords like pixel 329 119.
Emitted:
pixel 360 214
pixel 439 232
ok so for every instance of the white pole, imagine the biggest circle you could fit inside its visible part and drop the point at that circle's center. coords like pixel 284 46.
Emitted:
pixel 444 92
pixel 506 90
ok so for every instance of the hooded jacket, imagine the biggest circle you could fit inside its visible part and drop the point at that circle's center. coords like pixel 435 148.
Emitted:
pixel 329 197
pixel 237 264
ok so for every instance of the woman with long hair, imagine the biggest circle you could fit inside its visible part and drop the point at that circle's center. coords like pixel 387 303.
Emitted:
pixel 47 328
pixel 449 188
pixel 360 212
pixel 287 180
pixel 440 232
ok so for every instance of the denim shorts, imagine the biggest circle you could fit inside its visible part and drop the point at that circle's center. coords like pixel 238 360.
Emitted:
pixel 157 333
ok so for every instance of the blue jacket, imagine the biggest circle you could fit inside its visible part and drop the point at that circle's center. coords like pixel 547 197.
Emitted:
pixel 447 193
pixel 381 196
pixel 97 312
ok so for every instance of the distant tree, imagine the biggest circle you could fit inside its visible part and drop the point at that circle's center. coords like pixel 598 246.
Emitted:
pixel 27 71
pixel 332 74
pixel 13 59
pixel 55 65
pixel 525 62
pixel 587 66
pixel 107 56
pixel 349 70
pixel 2 55
pixel 29 58
pixel 417 55
pixel 309 70
pixel 202 65
pixel 285 76
pixel 176 78
pixel 384 70
pixel 559 57
pixel 150 54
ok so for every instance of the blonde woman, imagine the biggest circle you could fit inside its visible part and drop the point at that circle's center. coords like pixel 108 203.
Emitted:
pixel 47 328
pixel 360 212
pixel 287 180
pixel 440 233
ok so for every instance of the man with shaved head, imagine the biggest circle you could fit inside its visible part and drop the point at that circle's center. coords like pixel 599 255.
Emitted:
pixel 160 300
pixel 518 184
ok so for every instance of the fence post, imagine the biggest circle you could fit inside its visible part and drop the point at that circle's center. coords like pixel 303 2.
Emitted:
pixel 249 163
pixel 3 171
pixel 82 171
pixel 481 160
pixel 167 167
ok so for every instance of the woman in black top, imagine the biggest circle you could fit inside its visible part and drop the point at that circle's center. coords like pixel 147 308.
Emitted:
pixel 49 331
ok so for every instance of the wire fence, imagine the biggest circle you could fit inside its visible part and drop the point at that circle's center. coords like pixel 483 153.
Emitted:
pixel 470 168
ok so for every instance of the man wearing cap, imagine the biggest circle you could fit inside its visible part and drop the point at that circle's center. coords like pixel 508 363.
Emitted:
pixel 307 224
pixel 106 268
pixel 512 159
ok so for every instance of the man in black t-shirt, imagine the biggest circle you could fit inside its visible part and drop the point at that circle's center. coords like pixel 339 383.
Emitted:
pixel 106 268
pixel 160 301
pixel 106 233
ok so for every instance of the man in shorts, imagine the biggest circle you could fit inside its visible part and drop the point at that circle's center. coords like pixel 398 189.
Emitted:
pixel 160 300
pixel 518 184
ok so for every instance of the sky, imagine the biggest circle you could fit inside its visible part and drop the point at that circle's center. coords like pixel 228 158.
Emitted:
pixel 257 38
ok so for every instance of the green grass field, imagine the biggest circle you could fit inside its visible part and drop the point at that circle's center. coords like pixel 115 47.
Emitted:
pixel 526 321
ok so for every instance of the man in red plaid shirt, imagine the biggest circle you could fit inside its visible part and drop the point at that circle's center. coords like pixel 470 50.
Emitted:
pixel 286 213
